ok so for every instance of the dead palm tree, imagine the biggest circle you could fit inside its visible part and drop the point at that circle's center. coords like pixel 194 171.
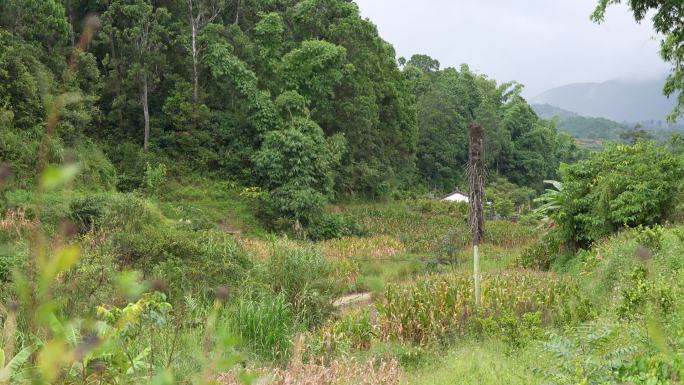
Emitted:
pixel 476 174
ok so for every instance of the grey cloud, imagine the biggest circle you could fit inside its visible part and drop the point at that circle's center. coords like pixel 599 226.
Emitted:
pixel 540 43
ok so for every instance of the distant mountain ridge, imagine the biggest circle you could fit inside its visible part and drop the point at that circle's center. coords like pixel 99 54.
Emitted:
pixel 548 112
pixel 617 99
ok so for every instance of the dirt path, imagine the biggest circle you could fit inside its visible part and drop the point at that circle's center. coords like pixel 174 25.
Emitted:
pixel 353 301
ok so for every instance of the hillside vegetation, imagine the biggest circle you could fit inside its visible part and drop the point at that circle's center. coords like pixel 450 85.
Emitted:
pixel 231 192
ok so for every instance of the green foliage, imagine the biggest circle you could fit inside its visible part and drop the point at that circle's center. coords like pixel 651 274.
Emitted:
pixel 508 198
pixel 314 69
pixel 540 255
pixel 589 357
pixel 296 165
pixel 88 211
pixel 303 277
pixel 265 325
pixel 330 226
pixel 352 332
pixel 198 261
pixel 620 186
pixel 650 237
pixel 97 172
pixel 154 178
pixel 520 146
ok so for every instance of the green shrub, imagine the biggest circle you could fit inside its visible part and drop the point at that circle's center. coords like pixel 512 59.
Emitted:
pixel 621 186
pixel 291 209
pixel 53 207
pixel 187 260
pixel 540 255
pixel 516 331
pixel 640 294
pixel 88 211
pixel 154 178
pixel 129 212
pixel 650 237
pixel 96 172
pixel 11 257
pixel 330 226
pixel 130 161
pixel 591 354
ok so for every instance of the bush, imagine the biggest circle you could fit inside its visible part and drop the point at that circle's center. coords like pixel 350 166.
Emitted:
pixel 187 260
pixel 154 178
pixel 618 187
pixel 540 255
pixel 11 258
pixel 650 237
pixel 290 208
pixel 96 172
pixel 330 226
pixel 89 211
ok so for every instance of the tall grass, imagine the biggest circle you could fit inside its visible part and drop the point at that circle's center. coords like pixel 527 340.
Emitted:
pixel 265 325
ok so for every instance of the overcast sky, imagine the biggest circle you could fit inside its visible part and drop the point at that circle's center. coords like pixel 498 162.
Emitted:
pixel 540 43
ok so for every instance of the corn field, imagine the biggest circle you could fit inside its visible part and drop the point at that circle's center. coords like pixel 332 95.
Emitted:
pixel 439 305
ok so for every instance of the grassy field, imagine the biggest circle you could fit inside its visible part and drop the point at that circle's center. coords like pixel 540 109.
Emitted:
pixel 419 326
pixel 486 362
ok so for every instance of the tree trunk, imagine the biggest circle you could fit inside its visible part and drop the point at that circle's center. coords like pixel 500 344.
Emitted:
pixel 117 88
pixel 146 112
pixel 70 11
pixel 195 75
pixel 195 55
pixel 237 13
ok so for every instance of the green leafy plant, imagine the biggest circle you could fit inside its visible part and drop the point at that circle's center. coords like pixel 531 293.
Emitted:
pixel 589 356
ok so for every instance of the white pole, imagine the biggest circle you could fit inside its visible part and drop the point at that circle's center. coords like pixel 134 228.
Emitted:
pixel 476 275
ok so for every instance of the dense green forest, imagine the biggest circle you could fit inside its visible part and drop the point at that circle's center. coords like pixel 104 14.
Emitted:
pixel 211 87
pixel 243 192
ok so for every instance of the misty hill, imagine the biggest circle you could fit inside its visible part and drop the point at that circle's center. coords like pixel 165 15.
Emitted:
pixel 547 111
pixel 581 127
pixel 618 100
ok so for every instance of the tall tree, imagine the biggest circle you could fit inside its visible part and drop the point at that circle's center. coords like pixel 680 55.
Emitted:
pixel 41 22
pixel 668 20
pixel 136 30
pixel 201 13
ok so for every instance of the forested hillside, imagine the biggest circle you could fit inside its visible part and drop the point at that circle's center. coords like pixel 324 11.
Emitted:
pixel 233 192
pixel 242 90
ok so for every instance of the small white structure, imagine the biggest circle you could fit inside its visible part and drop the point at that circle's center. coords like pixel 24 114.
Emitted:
pixel 456 197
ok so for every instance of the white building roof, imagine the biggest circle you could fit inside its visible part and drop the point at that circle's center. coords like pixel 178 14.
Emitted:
pixel 456 197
